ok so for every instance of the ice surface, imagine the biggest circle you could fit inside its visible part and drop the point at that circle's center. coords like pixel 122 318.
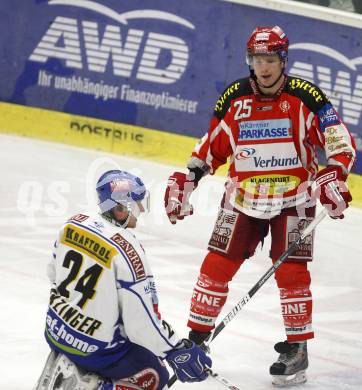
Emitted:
pixel 44 183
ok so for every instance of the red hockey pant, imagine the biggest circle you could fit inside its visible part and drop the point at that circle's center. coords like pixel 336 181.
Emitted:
pixel 222 263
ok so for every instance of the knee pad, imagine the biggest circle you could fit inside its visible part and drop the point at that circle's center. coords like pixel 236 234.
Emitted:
pixel 290 275
pixel 219 268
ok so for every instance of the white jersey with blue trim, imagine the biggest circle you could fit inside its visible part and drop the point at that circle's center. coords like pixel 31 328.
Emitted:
pixel 103 296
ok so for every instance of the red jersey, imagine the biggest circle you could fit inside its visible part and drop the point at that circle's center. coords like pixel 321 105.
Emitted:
pixel 271 143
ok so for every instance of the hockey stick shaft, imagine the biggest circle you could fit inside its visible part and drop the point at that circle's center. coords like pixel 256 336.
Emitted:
pixel 246 298
pixel 225 382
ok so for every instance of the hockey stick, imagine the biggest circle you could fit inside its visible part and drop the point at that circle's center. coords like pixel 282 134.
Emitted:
pixel 225 382
pixel 246 298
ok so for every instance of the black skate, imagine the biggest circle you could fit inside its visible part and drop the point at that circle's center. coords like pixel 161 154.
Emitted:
pixel 290 367
pixel 198 338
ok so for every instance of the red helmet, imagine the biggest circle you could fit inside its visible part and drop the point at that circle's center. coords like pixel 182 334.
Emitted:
pixel 267 40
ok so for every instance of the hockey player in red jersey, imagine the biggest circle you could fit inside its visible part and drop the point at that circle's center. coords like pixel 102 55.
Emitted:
pixel 268 125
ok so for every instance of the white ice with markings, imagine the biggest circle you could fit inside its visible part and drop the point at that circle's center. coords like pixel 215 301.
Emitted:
pixel 44 183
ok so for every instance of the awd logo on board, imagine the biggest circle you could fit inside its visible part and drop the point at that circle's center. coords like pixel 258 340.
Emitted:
pixel 63 41
pixel 344 90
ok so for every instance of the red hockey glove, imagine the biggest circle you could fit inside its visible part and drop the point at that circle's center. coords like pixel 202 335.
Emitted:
pixel 178 191
pixel 331 189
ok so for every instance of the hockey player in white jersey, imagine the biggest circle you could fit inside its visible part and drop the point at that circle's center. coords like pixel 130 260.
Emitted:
pixel 102 324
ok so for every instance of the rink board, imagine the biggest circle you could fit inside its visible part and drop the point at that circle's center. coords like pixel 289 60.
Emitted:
pixel 95 134
pixel 112 137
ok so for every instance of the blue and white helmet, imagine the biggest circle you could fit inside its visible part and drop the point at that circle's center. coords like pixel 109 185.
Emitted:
pixel 120 187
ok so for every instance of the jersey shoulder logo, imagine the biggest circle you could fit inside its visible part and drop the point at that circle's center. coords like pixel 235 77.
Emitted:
pixel 328 117
pixel 312 96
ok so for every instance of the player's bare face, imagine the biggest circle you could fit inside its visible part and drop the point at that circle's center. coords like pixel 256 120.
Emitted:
pixel 267 69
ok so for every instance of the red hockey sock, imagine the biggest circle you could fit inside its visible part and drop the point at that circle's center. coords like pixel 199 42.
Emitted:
pixel 297 313
pixel 208 298
pixel 211 291
pixel 296 301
